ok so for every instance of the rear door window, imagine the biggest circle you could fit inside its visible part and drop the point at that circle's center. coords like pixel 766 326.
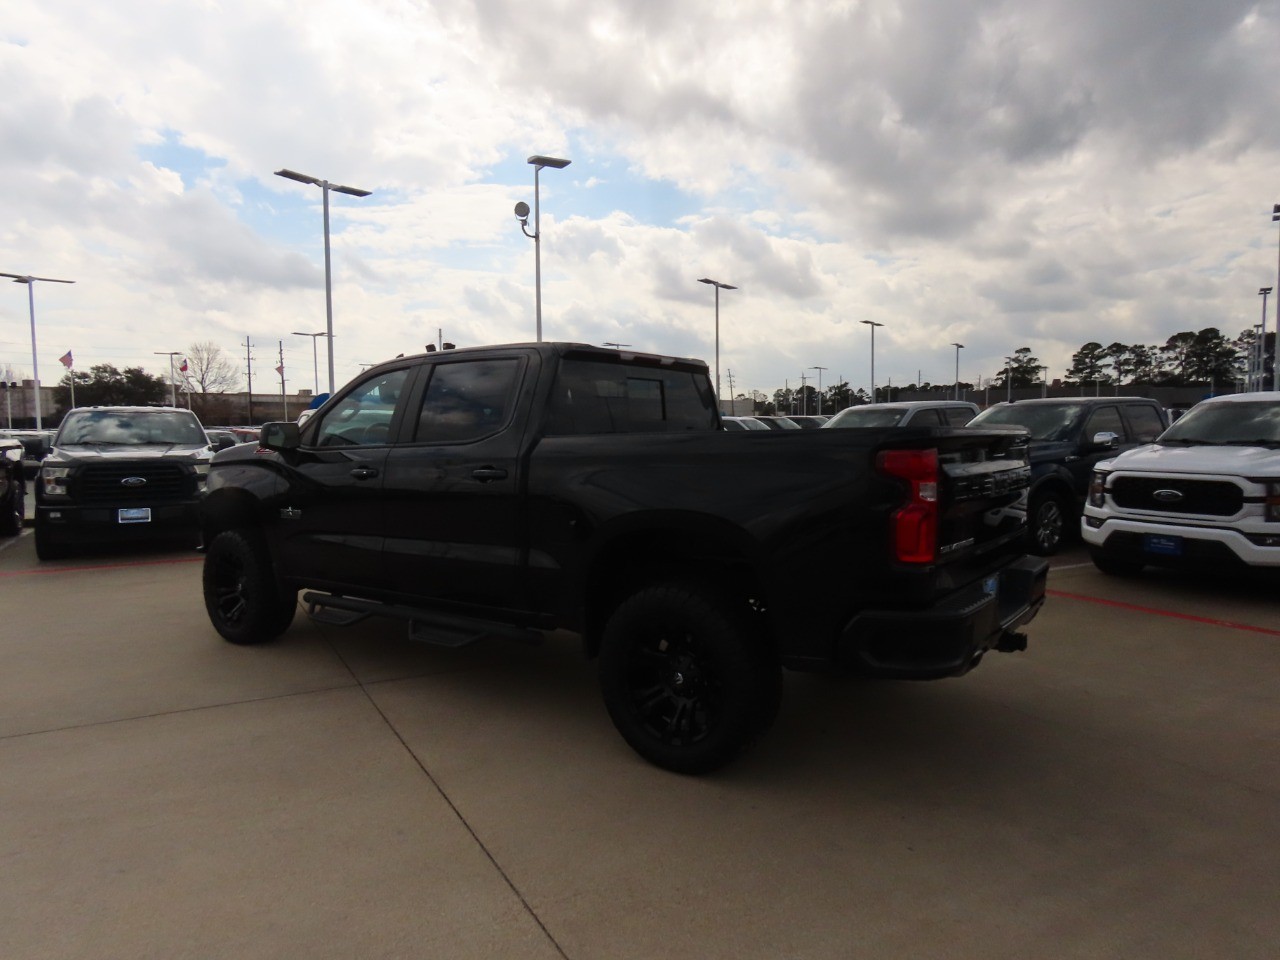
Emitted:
pixel 929 417
pixel 595 397
pixel 958 416
pixel 1144 422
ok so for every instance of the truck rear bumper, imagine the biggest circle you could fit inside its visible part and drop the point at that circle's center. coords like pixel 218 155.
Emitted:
pixel 949 638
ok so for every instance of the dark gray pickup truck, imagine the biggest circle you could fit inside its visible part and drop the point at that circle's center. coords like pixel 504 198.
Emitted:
pixel 510 490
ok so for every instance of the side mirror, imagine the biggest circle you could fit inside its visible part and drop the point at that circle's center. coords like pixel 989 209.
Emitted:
pixel 279 436
pixel 1106 440
pixel 221 444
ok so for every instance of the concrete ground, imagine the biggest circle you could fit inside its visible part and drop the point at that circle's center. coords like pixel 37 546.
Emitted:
pixel 1112 792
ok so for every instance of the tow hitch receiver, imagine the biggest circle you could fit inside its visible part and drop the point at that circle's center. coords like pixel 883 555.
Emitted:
pixel 1012 641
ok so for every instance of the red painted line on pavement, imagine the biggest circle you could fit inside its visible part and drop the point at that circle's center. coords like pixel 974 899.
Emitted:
pixel 104 566
pixel 1164 613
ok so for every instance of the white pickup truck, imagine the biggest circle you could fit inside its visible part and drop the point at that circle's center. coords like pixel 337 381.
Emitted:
pixel 1205 494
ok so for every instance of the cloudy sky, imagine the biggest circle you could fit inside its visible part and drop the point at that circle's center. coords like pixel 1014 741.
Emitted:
pixel 1034 173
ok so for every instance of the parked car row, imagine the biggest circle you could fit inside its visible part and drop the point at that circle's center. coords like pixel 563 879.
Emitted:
pixel 1204 491
pixel 1110 468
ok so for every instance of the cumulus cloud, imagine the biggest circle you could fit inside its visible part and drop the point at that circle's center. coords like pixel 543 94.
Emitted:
pixel 996 172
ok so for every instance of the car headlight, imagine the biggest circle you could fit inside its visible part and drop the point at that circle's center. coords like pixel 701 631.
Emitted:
pixel 202 477
pixel 54 480
pixel 1272 509
pixel 1098 489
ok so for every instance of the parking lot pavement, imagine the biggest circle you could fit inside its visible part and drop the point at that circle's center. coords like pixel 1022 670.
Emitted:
pixel 1109 793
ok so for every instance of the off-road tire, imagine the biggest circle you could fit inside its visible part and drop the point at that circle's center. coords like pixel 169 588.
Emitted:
pixel 686 680
pixel 245 602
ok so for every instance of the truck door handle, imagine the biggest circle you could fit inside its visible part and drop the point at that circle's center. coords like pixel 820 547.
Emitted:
pixel 364 473
pixel 488 474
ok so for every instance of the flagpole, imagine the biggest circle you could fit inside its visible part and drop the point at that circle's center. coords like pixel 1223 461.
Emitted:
pixel 69 362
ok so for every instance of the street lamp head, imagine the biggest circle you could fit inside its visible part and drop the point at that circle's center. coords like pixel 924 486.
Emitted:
pixel 556 162
pixel 27 278
pixel 871 323
pixel 324 184
pixel 300 177
pixel 958 346
pixel 522 212
pixel 1275 212
pixel 1263 291
pixel 717 283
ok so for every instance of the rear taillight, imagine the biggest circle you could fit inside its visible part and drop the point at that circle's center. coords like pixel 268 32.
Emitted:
pixel 915 525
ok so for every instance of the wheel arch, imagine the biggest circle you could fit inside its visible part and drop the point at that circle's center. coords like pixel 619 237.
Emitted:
pixel 227 509
pixel 699 551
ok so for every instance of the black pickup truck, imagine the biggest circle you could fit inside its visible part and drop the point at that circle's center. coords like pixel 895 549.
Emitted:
pixel 510 490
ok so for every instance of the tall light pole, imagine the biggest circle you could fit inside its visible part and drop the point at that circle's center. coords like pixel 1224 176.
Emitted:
pixel 1262 340
pixel 959 347
pixel 719 286
pixel 872 324
pixel 30 281
pixel 1008 380
pixel 325 186
pixel 314 362
pixel 522 214
pixel 1044 382
pixel 819 369
pixel 173 381
pixel 1275 383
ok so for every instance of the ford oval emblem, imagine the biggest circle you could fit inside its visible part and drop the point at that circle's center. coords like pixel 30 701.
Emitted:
pixel 1168 496
pixel 133 481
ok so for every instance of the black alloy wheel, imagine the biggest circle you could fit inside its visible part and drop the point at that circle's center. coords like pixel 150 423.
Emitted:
pixel 686 682
pixel 1047 523
pixel 244 602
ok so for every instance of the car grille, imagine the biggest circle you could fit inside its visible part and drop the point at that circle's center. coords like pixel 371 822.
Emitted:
pixel 104 483
pixel 1210 498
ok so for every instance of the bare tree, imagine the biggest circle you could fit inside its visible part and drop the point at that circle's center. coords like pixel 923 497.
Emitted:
pixel 209 370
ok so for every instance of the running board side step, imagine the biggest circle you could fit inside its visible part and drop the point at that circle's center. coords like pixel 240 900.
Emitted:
pixel 425 626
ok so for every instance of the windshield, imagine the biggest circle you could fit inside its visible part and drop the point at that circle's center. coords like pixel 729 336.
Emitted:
pixel 866 417
pixel 132 427
pixel 1237 424
pixel 1044 421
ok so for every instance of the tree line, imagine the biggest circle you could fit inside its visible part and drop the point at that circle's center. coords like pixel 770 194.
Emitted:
pixel 1185 359
pixel 209 374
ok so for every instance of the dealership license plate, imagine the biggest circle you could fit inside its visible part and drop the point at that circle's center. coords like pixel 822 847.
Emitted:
pixel 134 515
pixel 1162 546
